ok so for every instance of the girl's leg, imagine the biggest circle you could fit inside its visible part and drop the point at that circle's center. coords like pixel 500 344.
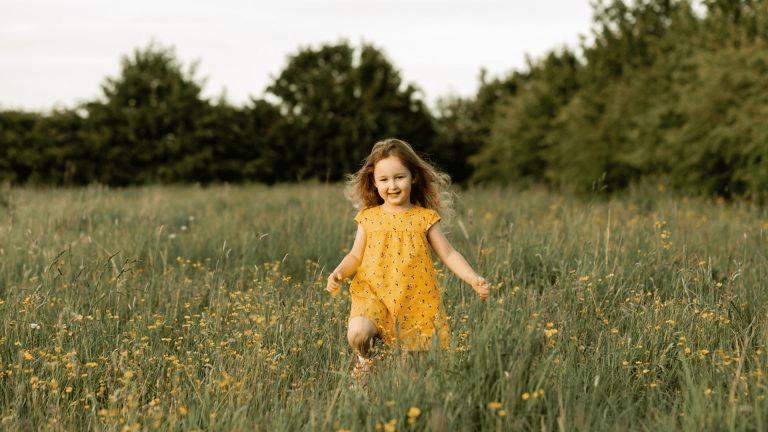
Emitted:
pixel 361 333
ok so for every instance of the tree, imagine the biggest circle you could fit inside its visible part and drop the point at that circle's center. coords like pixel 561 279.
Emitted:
pixel 459 133
pixel 65 148
pixel 517 148
pixel 18 157
pixel 147 119
pixel 335 102
pixel 601 116
pixel 236 144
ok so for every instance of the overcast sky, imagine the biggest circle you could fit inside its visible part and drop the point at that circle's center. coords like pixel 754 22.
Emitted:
pixel 57 52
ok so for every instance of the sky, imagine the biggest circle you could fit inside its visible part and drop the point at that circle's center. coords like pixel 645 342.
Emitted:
pixel 57 53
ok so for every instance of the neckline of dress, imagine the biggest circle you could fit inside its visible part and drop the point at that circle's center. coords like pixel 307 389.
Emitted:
pixel 397 211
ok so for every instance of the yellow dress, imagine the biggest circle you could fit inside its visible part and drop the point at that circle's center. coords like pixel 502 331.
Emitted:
pixel 395 286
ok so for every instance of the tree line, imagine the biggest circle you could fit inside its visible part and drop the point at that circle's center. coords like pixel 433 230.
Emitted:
pixel 152 125
pixel 665 90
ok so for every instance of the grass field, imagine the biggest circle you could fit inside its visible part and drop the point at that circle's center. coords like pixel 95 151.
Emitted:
pixel 185 308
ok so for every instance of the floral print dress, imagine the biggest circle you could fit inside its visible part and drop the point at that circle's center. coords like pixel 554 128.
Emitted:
pixel 395 286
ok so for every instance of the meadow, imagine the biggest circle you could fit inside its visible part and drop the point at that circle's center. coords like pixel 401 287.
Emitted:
pixel 189 308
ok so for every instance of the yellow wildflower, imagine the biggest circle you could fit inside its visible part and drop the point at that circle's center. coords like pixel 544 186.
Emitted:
pixel 391 426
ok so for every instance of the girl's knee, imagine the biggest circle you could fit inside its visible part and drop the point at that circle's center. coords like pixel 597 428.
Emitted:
pixel 360 333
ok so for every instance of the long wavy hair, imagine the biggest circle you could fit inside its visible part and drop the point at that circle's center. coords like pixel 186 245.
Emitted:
pixel 431 188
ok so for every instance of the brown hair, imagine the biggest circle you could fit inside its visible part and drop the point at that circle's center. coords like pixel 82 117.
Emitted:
pixel 430 188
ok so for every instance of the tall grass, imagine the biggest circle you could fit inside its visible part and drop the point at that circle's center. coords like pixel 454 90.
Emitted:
pixel 184 308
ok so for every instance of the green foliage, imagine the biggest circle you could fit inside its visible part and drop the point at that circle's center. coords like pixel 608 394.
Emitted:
pixel 336 102
pixel 661 89
pixel 18 158
pixel 152 126
pixel 147 119
pixel 46 149
pixel 517 147
pixel 235 145
pixel 658 92
pixel 722 148
pixel 459 134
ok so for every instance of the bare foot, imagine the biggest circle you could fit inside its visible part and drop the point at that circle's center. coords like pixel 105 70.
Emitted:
pixel 362 370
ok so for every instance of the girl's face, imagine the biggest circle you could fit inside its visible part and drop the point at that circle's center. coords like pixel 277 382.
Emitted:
pixel 393 181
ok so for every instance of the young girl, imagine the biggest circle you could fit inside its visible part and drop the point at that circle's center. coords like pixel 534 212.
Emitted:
pixel 394 294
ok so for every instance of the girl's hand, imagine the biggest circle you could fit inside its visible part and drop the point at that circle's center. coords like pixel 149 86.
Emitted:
pixel 334 282
pixel 481 286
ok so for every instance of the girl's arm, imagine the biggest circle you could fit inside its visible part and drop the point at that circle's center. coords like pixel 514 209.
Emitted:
pixel 349 264
pixel 455 261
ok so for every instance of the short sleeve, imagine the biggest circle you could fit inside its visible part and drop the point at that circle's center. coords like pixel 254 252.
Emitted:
pixel 433 217
pixel 363 216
